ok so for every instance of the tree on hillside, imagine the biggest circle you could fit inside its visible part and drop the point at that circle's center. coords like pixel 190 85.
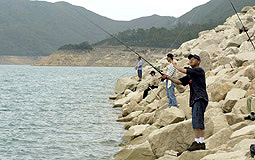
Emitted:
pixel 81 46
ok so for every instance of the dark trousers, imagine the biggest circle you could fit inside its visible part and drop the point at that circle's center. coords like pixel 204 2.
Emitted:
pixel 145 93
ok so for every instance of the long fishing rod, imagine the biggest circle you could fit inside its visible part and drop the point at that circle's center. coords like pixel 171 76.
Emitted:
pixel 242 23
pixel 121 42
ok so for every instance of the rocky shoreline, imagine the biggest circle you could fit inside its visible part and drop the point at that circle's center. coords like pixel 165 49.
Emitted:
pixel 101 56
pixel 157 132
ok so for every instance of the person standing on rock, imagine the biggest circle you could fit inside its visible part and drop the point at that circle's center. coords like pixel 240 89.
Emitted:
pixel 139 68
pixel 195 77
pixel 171 71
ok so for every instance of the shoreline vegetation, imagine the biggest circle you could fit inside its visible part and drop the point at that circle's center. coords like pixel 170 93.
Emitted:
pixel 155 131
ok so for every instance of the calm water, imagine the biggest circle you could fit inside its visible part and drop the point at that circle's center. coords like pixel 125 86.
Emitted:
pixel 59 112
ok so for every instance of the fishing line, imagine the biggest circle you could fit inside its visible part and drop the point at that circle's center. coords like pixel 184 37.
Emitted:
pixel 242 23
pixel 120 42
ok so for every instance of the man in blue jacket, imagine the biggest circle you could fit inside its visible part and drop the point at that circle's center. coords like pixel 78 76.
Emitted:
pixel 195 78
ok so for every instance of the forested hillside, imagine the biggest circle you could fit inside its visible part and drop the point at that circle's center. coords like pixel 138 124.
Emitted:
pixel 38 28
pixel 159 37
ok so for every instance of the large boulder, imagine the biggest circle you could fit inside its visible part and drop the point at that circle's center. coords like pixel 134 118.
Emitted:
pixel 228 105
pixel 246 9
pixel 183 101
pixel 244 144
pixel 233 118
pixel 243 83
pixel 152 106
pixel 222 60
pixel 244 57
pixel 144 136
pixel 134 132
pixel 232 97
pixel 138 152
pixel 218 119
pixel 219 138
pixel 240 107
pixel 247 21
pixel 125 100
pixel 145 118
pixel 176 137
pixel 250 73
pixel 169 116
pixel 224 71
pixel 246 46
pixel 211 80
pixel 231 51
pixel 237 41
pixel 248 130
pixel 251 89
pixel 240 125
pixel 235 94
pixel 128 108
pixel 123 84
pixel 206 62
pixel 129 117
pixel 220 92
pixel 237 155
pixel 195 155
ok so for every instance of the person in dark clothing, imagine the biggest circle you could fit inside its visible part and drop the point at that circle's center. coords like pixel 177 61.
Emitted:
pixel 195 78
pixel 152 85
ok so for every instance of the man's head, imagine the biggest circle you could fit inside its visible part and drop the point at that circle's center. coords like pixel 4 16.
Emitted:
pixel 139 58
pixel 194 60
pixel 152 73
pixel 170 56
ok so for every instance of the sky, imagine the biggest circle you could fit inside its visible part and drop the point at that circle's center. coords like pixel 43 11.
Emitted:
pixel 131 9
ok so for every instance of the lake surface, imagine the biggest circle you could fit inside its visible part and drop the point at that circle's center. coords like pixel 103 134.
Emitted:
pixel 59 112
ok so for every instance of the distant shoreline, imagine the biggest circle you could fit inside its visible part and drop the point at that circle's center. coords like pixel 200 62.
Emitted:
pixel 18 60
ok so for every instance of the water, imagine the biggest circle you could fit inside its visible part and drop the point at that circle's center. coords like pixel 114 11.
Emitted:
pixel 59 113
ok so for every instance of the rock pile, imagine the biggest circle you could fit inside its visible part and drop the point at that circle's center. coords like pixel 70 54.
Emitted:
pixel 157 132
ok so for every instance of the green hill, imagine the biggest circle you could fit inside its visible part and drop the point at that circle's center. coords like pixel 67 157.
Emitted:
pixel 214 10
pixel 39 28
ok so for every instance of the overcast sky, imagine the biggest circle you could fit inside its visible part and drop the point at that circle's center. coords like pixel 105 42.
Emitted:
pixel 131 9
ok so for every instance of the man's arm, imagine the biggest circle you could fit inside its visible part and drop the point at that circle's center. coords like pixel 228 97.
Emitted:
pixel 183 70
pixel 176 81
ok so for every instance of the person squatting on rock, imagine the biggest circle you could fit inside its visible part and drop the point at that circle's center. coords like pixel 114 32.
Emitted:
pixel 250 107
pixel 198 97
pixel 139 68
pixel 171 71
pixel 153 84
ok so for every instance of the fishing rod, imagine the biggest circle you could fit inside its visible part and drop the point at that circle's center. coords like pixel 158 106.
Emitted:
pixel 242 23
pixel 121 42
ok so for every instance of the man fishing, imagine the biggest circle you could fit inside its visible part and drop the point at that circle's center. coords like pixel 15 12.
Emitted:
pixel 198 97
pixel 139 68
pixel 171 71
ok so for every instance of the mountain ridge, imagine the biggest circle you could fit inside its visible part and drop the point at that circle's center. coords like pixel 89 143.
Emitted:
pixel 38 28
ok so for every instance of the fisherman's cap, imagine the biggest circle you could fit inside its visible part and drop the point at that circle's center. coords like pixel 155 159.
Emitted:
pixel 170 55
pixel 152 72
pixel 195 56
pixel 139 57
